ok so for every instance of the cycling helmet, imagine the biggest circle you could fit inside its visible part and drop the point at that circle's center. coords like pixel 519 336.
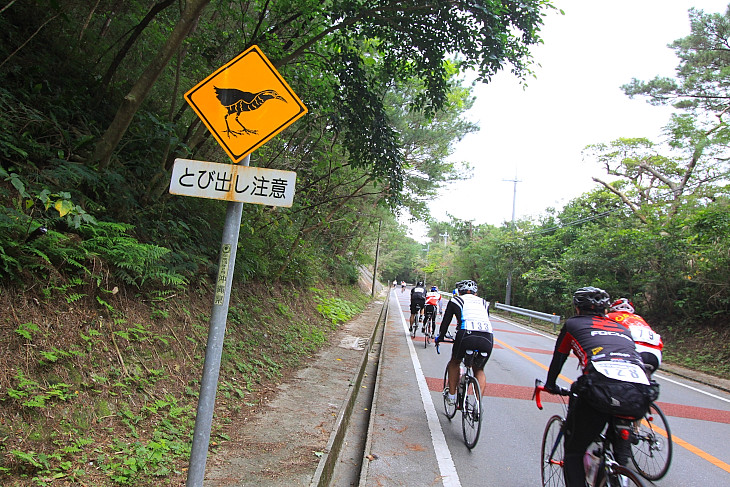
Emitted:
pixel 419 284
pixel 466 286
pixel 622 304
pixel 434 288
pixel 591 299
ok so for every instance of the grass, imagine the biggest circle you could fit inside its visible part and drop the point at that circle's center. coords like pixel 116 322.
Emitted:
pixel 105 394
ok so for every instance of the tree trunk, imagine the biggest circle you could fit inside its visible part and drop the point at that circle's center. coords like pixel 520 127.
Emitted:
pixel 157 8
pixel 134 99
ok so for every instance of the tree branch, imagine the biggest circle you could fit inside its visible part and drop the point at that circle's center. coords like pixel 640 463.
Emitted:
pixel 635 209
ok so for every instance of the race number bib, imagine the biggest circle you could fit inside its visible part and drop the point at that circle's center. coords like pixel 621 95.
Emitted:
pixel 644 335
pixel 623 371
pixel 474 325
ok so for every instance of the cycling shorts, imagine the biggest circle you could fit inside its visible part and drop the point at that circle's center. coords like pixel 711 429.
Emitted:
pixel 417 304
pixel 473 340
pixel 431 308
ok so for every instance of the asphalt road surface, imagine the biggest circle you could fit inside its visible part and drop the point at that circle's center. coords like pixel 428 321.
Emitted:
pixel 418 445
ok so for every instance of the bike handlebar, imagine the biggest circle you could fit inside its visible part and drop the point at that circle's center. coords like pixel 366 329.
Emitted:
pixel 540 388
pixel 446 339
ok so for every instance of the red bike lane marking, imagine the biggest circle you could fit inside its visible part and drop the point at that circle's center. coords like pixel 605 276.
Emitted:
pixel 524 392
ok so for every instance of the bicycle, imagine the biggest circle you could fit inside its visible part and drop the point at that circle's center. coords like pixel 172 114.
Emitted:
pixel 607 471
pixel 652 452
pixel 416 321
pixel 429 321
pixel 468 398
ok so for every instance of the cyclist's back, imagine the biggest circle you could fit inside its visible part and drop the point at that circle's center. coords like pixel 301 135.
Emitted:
pixel 473 332
pixel 649 343
pixel 418 300
pixel 613 380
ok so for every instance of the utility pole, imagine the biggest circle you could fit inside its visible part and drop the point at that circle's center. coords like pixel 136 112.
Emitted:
pixel 508 292
pixel 377 250
pixel 445 235
pixel 428 247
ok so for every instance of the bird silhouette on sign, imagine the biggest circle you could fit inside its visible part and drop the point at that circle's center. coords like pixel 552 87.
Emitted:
pixel 237 101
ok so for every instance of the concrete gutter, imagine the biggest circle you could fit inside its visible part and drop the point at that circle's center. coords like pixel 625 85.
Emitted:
pixel 323 475
pixel 368 444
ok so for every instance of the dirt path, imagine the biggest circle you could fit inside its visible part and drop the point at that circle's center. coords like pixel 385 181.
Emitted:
pixel 282 445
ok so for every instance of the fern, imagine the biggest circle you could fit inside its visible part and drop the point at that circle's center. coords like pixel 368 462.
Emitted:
pixel 135 263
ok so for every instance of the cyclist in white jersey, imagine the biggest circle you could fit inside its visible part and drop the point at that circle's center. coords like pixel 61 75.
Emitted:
pixel 473 332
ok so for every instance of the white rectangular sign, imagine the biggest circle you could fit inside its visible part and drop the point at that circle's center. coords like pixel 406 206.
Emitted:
pixel 232 182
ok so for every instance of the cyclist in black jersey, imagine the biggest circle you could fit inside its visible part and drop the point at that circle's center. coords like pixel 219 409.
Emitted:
pixel 611 364
pixel 418 300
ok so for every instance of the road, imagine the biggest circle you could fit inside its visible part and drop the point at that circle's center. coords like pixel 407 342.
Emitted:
pixel 508 452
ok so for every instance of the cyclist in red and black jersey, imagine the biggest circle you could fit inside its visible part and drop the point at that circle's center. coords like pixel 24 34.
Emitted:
pixel 607 355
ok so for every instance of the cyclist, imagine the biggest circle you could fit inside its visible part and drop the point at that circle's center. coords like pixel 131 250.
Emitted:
pixel 403 286
pixel 473 332
pixel 648 343
pixel 610 363
pixel 418 300
pixel 433 300
pixel 395 283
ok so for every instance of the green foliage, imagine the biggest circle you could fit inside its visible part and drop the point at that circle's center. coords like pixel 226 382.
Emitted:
pixel 336 310
pixel 136 263
pixel 27 330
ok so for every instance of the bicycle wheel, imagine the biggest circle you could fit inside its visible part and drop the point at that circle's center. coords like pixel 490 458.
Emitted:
pixel 449 409
pixel 553 453
pixel 653 453
pixel 620 477
pixel 471 412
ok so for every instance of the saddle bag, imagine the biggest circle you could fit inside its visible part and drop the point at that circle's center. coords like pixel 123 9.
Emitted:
pixel 615 397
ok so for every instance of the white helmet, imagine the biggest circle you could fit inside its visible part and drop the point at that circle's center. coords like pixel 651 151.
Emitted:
pixel 622 304
pixel 466 286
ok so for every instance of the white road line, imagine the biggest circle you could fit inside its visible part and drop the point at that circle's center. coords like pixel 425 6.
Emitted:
pixel 657 374
pixel 664 377
pixel 443 455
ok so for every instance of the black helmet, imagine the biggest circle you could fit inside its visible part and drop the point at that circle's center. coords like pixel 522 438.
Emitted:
pixel 419 284
pixel 465 286
pixel 591 299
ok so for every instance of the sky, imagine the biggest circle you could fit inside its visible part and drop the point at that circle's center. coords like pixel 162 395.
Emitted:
pixel 537 134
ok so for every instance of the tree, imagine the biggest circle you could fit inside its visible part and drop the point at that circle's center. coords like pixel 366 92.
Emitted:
pixel 133 100
pixel 702 77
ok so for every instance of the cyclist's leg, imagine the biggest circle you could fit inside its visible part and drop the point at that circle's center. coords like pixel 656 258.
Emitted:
pixel 621 447
pixel 651 362
pixel 457 353
pixel 583 424
pixel 454 374
pixel 483 342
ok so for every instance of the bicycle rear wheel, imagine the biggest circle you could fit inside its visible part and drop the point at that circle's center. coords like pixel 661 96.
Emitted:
pixel 620 477
pixel 471 413
pixel 653 453
pixel 553 453
pixel 449 409
pixel 426 334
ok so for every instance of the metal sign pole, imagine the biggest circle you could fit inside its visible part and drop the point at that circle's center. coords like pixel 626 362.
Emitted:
pixel 214 348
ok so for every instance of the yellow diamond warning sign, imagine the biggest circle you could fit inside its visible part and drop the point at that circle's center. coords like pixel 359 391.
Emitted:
pixel 245 103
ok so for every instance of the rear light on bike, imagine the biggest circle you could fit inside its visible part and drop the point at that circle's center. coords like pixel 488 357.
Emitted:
pixel 625 434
